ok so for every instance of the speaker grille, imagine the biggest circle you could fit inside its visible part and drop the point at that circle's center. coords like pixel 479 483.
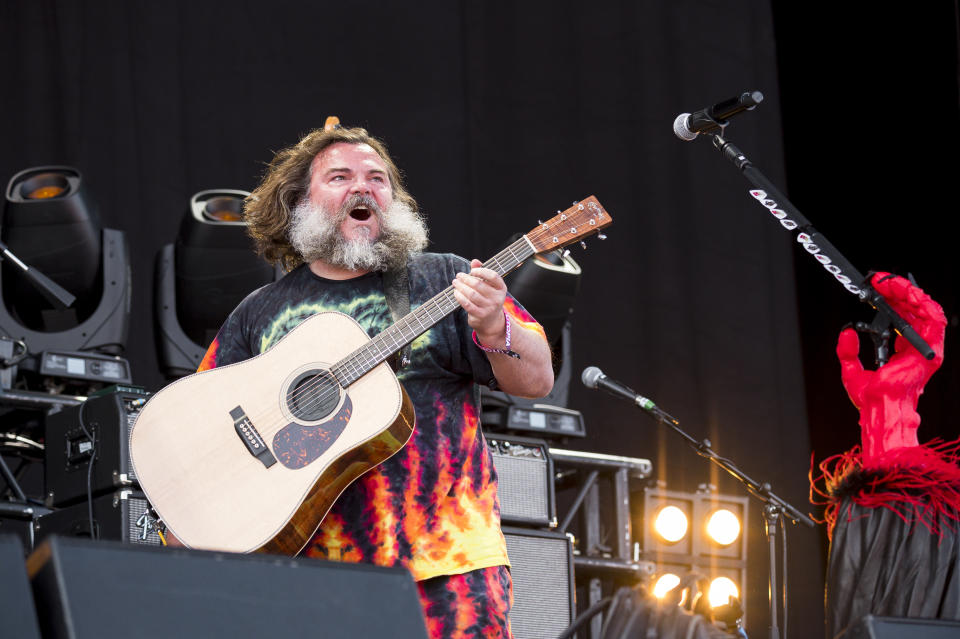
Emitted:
pixel 132 415
pixel 522 486
pixel 121 516
pixel 524 481
pixel 134 514
pixel 542 571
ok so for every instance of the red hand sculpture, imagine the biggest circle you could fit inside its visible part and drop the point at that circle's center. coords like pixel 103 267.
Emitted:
pixel 887 398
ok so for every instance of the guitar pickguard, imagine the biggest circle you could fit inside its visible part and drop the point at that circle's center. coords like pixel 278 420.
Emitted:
pixel 297 446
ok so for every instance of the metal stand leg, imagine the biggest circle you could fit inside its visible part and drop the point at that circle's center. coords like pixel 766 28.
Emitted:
pixel 591 538
pixel 771 515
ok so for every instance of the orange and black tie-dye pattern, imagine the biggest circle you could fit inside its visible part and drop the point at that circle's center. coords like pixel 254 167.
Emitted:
pixel 475 605
pixel 521 317
pixel 433 506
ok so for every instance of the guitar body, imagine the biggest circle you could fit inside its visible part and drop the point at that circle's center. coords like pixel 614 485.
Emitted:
pixel 251 456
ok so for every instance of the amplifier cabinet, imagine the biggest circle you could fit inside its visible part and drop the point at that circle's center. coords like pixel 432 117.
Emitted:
pixel 108 418
pixel 524 481
pixel 18 616
pixel 543 584
pixel 121 516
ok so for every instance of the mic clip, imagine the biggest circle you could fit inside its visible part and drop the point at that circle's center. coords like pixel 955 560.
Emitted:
pixel 706 124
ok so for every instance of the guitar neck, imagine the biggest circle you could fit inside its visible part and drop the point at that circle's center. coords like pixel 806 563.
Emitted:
pixel 409 327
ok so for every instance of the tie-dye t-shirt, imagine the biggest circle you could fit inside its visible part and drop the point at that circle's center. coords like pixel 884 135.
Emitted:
pixel 432 507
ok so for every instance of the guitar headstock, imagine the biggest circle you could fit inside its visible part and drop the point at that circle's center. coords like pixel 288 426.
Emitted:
pixel 581 220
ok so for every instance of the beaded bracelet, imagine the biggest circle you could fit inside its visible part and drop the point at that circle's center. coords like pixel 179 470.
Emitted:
pixel 506 347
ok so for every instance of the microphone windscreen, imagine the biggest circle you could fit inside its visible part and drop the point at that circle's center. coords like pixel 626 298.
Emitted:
pixel 680 128
pixel 591 375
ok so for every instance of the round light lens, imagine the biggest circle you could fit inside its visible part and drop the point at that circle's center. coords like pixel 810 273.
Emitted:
pixel 671 523
pixel 721 589
pixel 45 192
pixel 224 209
pixel 665 584
pixel 44 186
pixel 723 527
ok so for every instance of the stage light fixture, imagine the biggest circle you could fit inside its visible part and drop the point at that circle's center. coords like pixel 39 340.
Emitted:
pixel 49 224
pixel 202 276
pixel 723 527
pixel 720 591
pixel 713 545
pixel 667 523
pixel 723 517
pixel 547 286
pixel 664 584
pixel 671 523
pixel 679 584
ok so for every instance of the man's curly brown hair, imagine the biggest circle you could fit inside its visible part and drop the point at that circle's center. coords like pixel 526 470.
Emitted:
pixel 286 183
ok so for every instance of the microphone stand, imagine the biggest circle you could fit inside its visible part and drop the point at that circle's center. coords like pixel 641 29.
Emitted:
pixel 813 242
pixel 774 508
pixel 55 294
pixel 851 279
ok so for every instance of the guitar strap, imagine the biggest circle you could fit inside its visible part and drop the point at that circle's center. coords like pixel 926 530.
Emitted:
pixel 397 290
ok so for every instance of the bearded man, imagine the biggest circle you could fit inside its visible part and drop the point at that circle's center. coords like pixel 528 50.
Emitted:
pixel 334 212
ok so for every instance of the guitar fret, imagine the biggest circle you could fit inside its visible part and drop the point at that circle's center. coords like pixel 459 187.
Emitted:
pixel 553 234
pixel 416 316
pixel 419 321
pixel 514 255
pixel 358 363
pixel 381 351
pixel 389 341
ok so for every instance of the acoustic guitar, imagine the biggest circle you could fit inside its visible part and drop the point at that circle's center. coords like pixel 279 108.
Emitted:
pixel 251 456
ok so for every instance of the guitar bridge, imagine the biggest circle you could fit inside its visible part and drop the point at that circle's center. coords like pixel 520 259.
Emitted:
pixel 251 438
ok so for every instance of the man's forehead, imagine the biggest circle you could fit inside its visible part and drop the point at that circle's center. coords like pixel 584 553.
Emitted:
pixel 345 155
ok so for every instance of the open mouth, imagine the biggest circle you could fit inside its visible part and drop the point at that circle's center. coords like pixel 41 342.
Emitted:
pixel 360 214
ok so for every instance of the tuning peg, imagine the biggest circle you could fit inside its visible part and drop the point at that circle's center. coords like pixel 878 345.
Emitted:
pixel 539 221
pixel 566 253
pixel 583 245
pixel 601 236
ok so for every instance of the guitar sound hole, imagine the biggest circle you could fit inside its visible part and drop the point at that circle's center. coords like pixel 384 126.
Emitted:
pixel 313 395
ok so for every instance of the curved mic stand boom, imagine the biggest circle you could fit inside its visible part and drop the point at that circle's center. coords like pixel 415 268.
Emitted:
pixel 833 262
pixel 812 241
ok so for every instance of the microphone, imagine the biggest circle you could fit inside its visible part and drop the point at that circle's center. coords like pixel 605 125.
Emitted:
pixel 593 377
pixel 688 125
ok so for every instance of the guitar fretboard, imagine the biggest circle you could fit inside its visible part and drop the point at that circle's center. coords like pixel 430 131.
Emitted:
pixel 410 326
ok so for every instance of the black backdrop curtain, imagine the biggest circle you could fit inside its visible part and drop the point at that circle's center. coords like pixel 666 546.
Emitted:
pixel 499 113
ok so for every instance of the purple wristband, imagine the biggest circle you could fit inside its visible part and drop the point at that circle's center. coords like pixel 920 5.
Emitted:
pixel 506 347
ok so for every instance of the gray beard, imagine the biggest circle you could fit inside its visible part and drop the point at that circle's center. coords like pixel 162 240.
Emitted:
pixel 315 234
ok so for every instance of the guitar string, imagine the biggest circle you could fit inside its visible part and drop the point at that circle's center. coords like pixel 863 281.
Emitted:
pixel 348 368
pixel 370 355
pixel 360 362
pixel 364 359
pixel 355 366
pixel 379 349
